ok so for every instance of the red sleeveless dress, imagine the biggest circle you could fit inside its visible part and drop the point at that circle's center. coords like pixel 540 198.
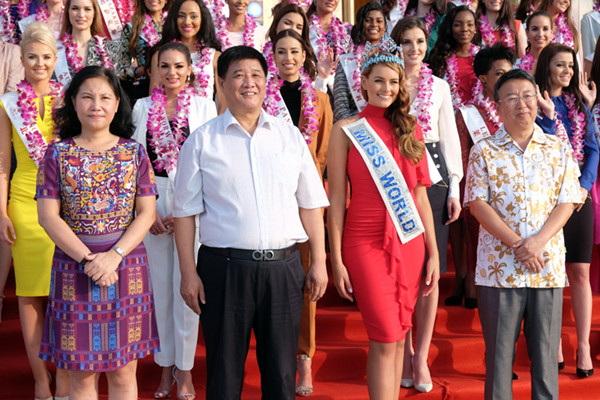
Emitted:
pixel 384 272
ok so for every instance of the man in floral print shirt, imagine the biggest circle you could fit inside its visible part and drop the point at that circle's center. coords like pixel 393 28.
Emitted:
pixel 522 187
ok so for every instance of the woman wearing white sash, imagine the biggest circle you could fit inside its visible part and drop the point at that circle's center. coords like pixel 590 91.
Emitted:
pixel 347 97
pixel 49 12
pixel 431 104
pixel 81 42
pixel 372 259
pixel 299 103
pixel 30 126
pixel 189 21
pixel 163 122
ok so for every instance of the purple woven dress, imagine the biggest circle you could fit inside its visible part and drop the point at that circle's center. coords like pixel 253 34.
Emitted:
pixel 89 328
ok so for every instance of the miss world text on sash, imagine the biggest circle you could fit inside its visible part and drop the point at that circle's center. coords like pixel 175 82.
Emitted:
pixel 388 178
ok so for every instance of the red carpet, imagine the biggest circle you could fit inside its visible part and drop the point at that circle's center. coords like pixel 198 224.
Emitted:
pixel 456 356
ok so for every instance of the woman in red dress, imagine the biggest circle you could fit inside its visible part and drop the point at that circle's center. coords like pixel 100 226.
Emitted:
pixel 370 263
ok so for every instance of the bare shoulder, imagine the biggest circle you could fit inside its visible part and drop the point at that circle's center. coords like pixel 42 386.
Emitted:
pixel 346 121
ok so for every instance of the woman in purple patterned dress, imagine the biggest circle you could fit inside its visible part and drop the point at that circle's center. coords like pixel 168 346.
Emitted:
pixel 100 317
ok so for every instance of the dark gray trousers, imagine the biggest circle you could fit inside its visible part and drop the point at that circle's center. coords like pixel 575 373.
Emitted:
pixel 501 312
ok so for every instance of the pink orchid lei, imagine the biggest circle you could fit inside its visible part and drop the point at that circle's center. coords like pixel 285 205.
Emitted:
pixel 26 96
pixel 166 146
pixel 430 17
pixel 525 62
pixel 565 36
pixel 423 100
pixel 452 77
pixel 487 35
pixel 202 78
pixel 358 51
pixel 268 53
pixel 482 101
pixel 401 5
pixel 223 29
pixel 304 4
pixel 309 98
pixel 42 13
pixel 578 119
pixel 338 32
pixel 23 9
pixel 149 29
pixel 8 28
pixel 125 9
pixel 76 62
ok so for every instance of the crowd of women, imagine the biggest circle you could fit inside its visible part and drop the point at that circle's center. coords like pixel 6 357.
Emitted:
pixel 78 196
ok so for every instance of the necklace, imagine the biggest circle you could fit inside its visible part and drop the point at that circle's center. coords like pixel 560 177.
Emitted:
pixel 578 127
pixel 151 29
pixel 36 144
pixel 452 77
pixel 430 17
pixel 76 62
pixel 8 28
pixel 480 100
pixel 487 34
pixel 565 36
pixel 223 30
pixel 525 62
pixel 423 100
pixel 166 144
pixel 338 37
pixel 202 76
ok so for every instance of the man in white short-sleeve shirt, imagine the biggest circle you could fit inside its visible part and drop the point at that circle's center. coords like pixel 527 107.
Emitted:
pixel 252 181
pixel 521 186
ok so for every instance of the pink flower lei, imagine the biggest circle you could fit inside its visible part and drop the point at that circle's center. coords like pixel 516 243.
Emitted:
pixel 452 77
pixel 222 26
pixel 525 62
pixel 358 51
pixel 166 146
pixel 430 17
pixel 42 13
pixel 202 78
pixel 338 32
pixel 304 4
pixel 578 127
pixel 8 28
pixel 76 62
pixel 507 37
pixel 125 9
pixel 482 101
pixel 423 100
pixel 26 96
pixel 565 36
pixel 149 29
pixel 23 9
pixel 309 98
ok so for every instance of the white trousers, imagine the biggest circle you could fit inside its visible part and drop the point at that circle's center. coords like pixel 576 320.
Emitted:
pixel 177 323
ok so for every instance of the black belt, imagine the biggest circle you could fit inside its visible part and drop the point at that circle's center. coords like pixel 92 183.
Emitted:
pixel 253 255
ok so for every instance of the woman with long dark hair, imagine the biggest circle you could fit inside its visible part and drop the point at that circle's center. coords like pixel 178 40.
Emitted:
pixel 497 25
pixel 558 73
pixel 539 35
pixel 565 31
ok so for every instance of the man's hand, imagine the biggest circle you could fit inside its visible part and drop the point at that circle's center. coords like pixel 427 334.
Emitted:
pixel 316 280
pixel 528 251
pixel 192 290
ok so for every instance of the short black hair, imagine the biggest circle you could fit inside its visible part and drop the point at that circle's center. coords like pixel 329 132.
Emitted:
pixel 237 53
pixel 487 56
pixel 66 116
pixel 514 74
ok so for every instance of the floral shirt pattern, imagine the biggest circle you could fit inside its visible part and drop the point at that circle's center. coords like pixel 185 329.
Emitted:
pixel 523 187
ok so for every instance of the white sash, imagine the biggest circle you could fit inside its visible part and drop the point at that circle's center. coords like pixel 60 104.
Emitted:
pixel 61 70
pixel 111 18
pixel 475 123
pixel 388 178
pixel 9 100
pixel 26 21
pixel 349 64
pixel 283 112
pixel 396 14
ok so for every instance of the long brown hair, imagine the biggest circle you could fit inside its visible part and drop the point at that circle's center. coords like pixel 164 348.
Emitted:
pixel 309 64
pixel 545 6
pixel 137 23
pixel 96 27
pixel 398 114
pixel 505 17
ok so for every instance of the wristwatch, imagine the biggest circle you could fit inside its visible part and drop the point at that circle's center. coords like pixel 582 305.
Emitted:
pixel 119 251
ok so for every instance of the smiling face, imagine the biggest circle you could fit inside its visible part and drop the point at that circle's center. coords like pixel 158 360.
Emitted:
pixel 493 5
pixel 559 6
pixel 289 57
pixel 520 114
pixel 95 104
pixel 154 6
pixel 414 46
pixel 174 70
pixel 539 32
pixel 244 86
pixel 237 7
pixel 381 86
pixel 561 70
pixel 189 20
pixel 326 6
pixel 38 62
pixel 81 14
pixel 374 27
pixel 463 27
pixel 291 21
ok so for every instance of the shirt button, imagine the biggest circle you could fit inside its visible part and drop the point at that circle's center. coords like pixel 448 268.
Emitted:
pixel 433 145
pixel 437 165
pixel 435 156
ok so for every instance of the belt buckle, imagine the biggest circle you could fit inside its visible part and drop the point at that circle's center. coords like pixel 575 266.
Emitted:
pixel 263 255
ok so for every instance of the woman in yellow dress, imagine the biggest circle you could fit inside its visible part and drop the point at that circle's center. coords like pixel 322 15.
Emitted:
pixel 27 121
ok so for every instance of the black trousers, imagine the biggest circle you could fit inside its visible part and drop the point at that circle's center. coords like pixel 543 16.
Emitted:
pixel 242 296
